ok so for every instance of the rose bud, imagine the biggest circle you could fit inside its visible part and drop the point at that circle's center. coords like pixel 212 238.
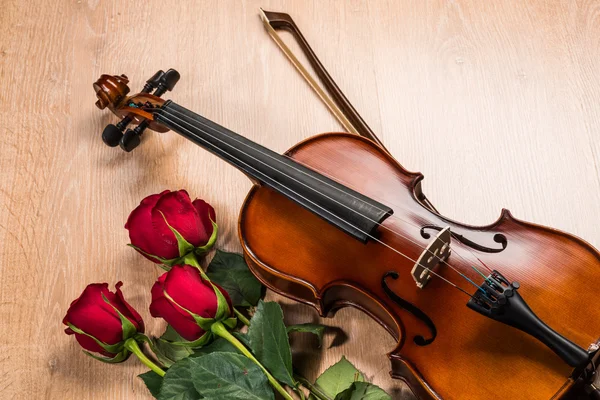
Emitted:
pixel 190 303
pixel 168 226
pixel 103 321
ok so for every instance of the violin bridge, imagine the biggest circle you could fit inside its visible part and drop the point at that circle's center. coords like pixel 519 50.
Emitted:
pixel 436 252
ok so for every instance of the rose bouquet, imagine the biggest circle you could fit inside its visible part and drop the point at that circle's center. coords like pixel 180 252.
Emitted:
pixel 210 348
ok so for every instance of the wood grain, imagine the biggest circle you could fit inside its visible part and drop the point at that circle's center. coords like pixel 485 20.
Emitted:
pixel 497 103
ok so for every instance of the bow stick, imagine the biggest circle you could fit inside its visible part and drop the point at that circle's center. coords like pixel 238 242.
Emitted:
pixel 336 101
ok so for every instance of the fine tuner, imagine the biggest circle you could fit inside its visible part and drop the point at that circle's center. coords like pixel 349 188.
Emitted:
pixel 112 91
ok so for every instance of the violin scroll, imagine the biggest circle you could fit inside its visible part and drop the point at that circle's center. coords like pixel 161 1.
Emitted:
pixel 112 91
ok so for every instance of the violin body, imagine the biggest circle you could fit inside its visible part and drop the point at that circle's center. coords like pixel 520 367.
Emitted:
pixel 301 256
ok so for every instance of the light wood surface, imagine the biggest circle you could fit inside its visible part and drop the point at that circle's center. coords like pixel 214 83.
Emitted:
pixel 496 102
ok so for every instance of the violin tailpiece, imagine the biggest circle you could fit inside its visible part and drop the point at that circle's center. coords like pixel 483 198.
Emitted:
pixel 500 300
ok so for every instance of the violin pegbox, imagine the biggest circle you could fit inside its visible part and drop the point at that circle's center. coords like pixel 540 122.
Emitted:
pixel 112 93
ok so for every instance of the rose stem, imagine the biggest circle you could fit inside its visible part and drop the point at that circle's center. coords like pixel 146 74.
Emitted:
pixel 241 317
pixel 219 329
pixel 300 393
pixel 318 393
pixel 191 259
pixel 132 345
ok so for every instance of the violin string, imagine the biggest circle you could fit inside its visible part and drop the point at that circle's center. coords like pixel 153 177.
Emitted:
pixel 173 112
pixel 302 183
pixel 328 184
pixel 165 112
pixel 351 195
pixel 324 209
pixel 396 206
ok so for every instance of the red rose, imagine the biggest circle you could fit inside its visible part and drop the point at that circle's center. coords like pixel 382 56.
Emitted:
pixel 188 302
pixel 95 320
pixel 167 226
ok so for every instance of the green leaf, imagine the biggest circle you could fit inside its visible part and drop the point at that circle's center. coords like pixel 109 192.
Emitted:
pixel 171 335
pixel 339 377
pixel 118 358
pixel 174 339
pixel 178 384
pixel 218 345
pixel 230 271
pixel 153 382
pixel 270 343
pixel 223 310
pixel 230 322
pixel 315 329
pixel 228 376
pixel 211 241
pixel 201 341
pixel 166 264
pixel 169 353
pixel 363 391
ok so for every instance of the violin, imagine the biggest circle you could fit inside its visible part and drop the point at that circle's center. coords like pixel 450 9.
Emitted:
pixel 478 312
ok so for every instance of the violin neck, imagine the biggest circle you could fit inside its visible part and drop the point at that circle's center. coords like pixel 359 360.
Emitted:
pixel 339 205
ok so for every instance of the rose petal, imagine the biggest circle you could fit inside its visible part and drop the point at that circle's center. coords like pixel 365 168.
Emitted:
pixel 145 235
pixel 179 319
pixel 94 316
pixel 184 325
pixel 129 312
pixel 177 209
pixel 90 344
pixel 157 293
pixel 147 203
pixel 206 213
pixel 187 288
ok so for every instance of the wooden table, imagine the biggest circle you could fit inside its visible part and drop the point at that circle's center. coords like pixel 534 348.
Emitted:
pixel 496 102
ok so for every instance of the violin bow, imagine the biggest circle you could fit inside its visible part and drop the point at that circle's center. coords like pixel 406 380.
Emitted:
pixel 336 101
pixel 332 96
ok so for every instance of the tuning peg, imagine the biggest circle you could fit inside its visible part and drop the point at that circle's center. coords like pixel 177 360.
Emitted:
pixel 131 139
pixel 167 82
pixel 153 82
pixel 112 134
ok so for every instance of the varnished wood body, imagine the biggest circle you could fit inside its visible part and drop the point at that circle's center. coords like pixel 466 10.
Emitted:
pixel 299 255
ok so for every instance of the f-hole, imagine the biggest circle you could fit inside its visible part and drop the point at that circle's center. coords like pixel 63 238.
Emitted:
pixel 498 238
pixel 411 308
